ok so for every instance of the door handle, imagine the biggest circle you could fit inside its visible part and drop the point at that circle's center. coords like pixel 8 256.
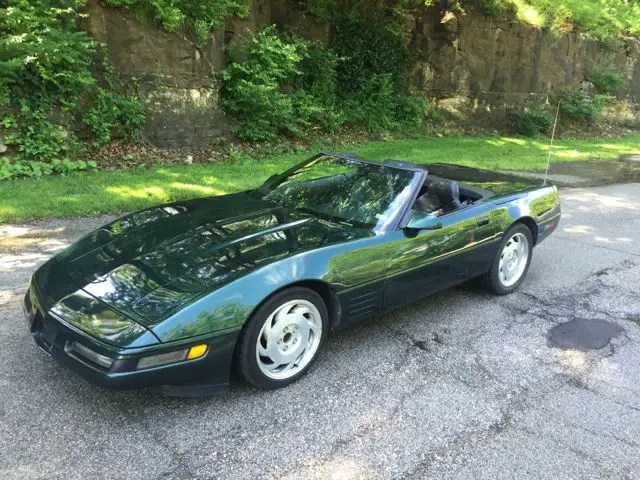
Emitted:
pixel 483 221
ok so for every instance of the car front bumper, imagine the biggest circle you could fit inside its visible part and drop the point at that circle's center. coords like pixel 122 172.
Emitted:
pixel 202 376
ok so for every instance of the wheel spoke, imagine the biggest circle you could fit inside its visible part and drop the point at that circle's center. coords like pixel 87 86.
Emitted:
pixel 264 352
pixel 281 319
pixel 523 249
pixel 272 366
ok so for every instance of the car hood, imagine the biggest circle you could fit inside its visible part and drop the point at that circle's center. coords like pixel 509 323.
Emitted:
pixel 150 263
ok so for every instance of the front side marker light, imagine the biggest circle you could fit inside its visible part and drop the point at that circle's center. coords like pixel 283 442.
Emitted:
pixel 196 351
pixel 176 356
pixel 162 359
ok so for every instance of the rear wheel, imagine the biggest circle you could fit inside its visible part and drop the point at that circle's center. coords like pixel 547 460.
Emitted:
pixel 282 339
pixel 512 261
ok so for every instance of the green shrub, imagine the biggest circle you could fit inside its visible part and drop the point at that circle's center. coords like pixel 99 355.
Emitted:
pixel 369 49
pixel 322 10
pixel 282 84
pixel 371 78
pixel 48 90
pixel 606 80
pixel 374 105
pixel 113 116
pixel 532 119
pixel 198 16
pixel 259 89
pixel 580 102
pixel 21 168
pixel 604 20
pixel 589 99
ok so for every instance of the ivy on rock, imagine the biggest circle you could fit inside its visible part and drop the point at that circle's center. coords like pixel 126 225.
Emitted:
pixel 51 104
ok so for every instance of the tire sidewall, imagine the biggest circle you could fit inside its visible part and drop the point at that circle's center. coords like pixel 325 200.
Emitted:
pixel 494 274
pixel 248 363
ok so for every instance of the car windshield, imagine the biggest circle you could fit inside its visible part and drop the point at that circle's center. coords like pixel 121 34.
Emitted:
pixel 344 190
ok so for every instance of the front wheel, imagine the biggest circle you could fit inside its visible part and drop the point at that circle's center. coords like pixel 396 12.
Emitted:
pixel 282 339
pixel 512 261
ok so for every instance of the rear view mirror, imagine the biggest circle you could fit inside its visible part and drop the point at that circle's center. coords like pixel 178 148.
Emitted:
pixel 424 221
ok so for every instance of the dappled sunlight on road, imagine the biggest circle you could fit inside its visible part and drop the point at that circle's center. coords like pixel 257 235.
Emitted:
pixel 12 236
pixel 332 466
pixel 9 263
pixel 579 229
pixel 574 360
pixel 24 247
pixel 336 467
pixel 592 201
pixel 600 218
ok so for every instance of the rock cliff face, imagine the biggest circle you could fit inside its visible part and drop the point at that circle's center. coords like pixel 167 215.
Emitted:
pixel 476 67
pixel 480 66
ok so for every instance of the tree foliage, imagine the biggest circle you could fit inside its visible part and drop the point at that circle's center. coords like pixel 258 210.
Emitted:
pixel 283 83
pixel 197 16
pixel 603 20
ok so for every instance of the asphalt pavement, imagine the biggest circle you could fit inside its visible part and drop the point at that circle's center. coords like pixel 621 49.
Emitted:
pixel 460 385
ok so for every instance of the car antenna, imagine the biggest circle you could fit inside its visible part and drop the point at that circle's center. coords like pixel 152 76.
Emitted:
pixel 553 134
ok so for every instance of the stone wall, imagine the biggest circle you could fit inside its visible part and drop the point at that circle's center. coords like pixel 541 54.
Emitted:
pixel 475 67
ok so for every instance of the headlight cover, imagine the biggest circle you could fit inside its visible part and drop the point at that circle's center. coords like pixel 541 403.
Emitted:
pixel 93 317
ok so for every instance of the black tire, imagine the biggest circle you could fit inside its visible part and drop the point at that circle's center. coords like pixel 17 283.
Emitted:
pixel 492 279
pixel 246 359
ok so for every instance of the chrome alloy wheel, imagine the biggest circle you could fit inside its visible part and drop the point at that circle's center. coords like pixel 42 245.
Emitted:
pixel 513 260
pixel 289 339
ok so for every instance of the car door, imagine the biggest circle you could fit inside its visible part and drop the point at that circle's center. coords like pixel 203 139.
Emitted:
pixel 422 263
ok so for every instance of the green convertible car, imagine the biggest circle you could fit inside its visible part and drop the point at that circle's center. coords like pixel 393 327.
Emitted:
pixel 177 295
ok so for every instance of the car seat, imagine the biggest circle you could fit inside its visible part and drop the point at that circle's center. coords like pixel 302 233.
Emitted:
pixel 440 197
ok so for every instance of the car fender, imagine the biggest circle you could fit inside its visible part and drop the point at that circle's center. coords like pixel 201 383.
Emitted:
pixel 541 206
pixel 227 308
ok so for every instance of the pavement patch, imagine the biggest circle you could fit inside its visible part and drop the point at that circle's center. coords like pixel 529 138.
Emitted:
pixel 582 334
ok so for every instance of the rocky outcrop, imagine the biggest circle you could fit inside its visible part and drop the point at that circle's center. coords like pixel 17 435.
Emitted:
pixel 479 66
pixel 476 68
pixel 174 76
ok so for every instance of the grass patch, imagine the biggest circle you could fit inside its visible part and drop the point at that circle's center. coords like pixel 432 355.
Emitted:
pixel 124 190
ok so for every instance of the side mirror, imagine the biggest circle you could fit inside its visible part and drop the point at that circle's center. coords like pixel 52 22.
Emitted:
pixel 424 221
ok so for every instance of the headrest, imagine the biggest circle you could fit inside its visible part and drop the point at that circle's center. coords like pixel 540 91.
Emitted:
pixel 443 190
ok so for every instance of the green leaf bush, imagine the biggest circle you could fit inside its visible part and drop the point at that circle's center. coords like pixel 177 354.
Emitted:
pixel 51 106
pixel 197 16
pixel 281 84
pixel 532 119
pixel 588 99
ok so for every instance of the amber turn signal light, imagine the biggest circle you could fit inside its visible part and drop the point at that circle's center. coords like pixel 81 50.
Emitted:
pixel 196 351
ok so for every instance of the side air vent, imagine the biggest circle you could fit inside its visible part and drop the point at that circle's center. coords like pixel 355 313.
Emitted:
pixel 364 303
